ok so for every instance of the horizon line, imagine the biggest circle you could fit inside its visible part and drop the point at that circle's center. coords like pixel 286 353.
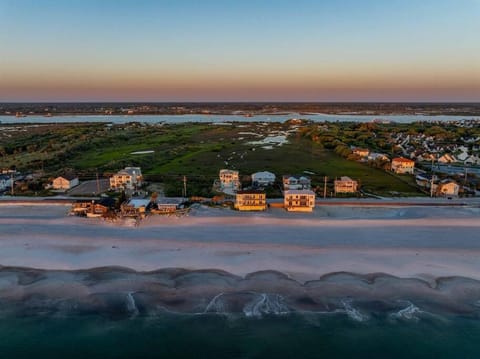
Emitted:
pixel 241 102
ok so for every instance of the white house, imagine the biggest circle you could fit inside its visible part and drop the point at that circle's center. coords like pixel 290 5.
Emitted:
pixel 229 180
pixel 129 178
pixel 373 156
pixel 65 182
pixel 345 185
pixel 447 188
pixel 299 200
pixel 263 178
pixel 472 160
pixel 296 182
pixel 5 182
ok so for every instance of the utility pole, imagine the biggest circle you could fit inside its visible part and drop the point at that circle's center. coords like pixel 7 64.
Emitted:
pixel 325 187
pixel 12 183
pixel 431 186
pixel 98 184
pixel 431 181
pixel 185 186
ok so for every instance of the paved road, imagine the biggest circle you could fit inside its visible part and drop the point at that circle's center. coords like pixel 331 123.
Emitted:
pixel 89 188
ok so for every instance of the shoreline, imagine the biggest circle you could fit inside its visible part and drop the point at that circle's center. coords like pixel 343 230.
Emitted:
pixel 414 242
pixel 118 292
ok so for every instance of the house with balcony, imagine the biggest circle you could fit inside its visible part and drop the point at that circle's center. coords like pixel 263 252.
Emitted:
pixel 229 181
pixel 299 200
pixel 251 200
pixel 264 178
pixel 294 182
pixel 130 178
pixel 345 185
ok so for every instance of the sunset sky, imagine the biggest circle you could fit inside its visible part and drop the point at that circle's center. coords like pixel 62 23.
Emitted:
pixel 239 50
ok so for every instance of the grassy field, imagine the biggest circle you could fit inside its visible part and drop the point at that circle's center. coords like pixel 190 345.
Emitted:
pixel 198 151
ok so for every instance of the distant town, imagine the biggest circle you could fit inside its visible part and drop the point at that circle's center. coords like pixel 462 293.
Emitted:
pixel 236 108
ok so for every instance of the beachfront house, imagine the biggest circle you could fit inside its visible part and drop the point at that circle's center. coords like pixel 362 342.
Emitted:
pixel 299 200
pixel 94 208
pixel 129 178
pixel 291 182
pixel 65 182
pixel 447 188
pixel 401 165
pixel 345 185
pixel 264 178
pixel 251 200
pixel 135 207
pixel 163 208
pixel 229 180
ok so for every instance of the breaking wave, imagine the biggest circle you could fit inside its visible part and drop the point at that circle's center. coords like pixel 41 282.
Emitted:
pixel 125 293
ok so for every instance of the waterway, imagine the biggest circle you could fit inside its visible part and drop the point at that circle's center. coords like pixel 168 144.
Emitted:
pixel 318 117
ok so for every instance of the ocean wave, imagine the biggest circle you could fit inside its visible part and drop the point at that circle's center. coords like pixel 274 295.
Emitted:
pixel 266 304
pixel 410 312
pixel 124 293
pixel 352 312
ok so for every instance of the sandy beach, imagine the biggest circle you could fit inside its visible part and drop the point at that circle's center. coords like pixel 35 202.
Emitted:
pixel 399 262
pixel 409 241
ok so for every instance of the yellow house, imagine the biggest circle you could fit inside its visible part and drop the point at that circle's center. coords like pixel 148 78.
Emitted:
pixel 345 185
pixel 251 201
pixel 402 165
pixel 299 200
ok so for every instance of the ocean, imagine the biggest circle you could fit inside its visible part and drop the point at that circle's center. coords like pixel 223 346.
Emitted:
pixel 222 336
pixel 114 312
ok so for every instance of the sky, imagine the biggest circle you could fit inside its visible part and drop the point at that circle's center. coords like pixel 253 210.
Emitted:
pixel 239 50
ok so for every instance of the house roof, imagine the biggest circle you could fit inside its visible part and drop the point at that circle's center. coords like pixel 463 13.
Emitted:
pixel 263 174
pixel 68 176
pixel 299 191
pixel 106 201
pixel 131 171
pixel 139 202
pixel 297 177
pixel 251 191
pixel 447 181
pixel 225 171
pixel 345 178
pixel 402 159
